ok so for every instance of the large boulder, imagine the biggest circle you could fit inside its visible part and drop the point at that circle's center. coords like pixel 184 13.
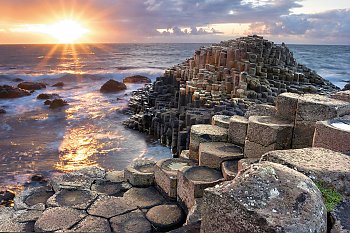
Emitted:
pixel 12 92
pixel 136 79
pixel 31 86
pixel 45 96
pixel 112 86
pixel 322 165
pixel 58 103
pixel 267 197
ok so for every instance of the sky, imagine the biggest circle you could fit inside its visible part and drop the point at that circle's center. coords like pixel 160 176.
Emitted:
pixel 147 21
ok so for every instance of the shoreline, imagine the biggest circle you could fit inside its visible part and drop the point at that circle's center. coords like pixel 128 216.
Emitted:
pixel 248 155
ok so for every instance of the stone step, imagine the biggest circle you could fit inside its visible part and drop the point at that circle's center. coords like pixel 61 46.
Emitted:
pixel 212 154
pixel 221 121
pixel 266 133
pixel 333 134
pixel 192 181
pixel 267 197
pixel 205 133
pixel 305 111
pixel 165 173
pixel 322 165
pixel 140 173
pixel 237 130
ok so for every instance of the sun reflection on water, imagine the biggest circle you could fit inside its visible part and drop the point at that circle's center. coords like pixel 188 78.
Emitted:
pixel 77 148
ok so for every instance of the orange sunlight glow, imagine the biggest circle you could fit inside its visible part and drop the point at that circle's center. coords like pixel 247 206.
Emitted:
pixel 67 31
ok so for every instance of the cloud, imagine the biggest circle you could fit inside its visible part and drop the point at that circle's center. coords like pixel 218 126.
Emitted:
pixel 141 20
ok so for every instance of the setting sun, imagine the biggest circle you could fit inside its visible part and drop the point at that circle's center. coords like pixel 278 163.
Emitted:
pixel 67 31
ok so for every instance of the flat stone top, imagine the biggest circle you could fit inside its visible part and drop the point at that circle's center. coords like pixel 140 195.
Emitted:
pixel 202 174
pixel 220 148
pixel 269 121
pixel 321 100
pixel 289 95
pixel 311 159
pixel 172 165
pixel 239 119
pixel 208 129
pixel 222 118
pixel 143 165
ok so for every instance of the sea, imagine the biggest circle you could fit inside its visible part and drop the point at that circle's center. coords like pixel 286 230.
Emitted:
pixel 89 131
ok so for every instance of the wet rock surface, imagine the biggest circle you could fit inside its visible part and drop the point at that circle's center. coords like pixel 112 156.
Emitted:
pixel 107 206
pixel 112 86
pixel 12 92
pixel 45 96
pixel 143 197
pixel 31 86
pixel 74 198
pixel 57 103
pixel 136 79
pixel 134 221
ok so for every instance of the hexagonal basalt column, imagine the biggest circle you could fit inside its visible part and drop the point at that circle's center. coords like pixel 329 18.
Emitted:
pixel 165 173
pixel 205 133
pixel 140 173
pixel 212 154
pixel 237 130
pixel 313 108
pixel 286 105
pixel 267 133
pixel 333 134
pixel 229 169
pixel 192 182
pixel 74 198
pixel 221 121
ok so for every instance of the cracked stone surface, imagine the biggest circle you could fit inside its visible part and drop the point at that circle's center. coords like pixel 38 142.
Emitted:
pixel 33 198
pixel 107 206
pixel 144 197
pixel 132 222
pixel 70 181
pixel 92 224
pixel 110 188
pixel 77 199
pixel 58 219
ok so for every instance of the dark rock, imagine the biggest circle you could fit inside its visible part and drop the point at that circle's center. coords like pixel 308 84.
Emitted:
pixel 18 80
pixel 57 103
pixel 31 86
pixel 190 228
pixel 2 111
pixel 136 79
pixel 59 84
pixel 45 96
pixel 47 102
pixel 12 92
pixel 346 87
pixel 112 86
pixel 74 198
pixel 340 217
pixel 6 197
pixel 38 178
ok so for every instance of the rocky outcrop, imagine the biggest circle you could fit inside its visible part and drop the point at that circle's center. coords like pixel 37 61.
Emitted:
pixel 58 84
pixel 112 86
pixel 31 86
pixel 45 96
pixel 267 197
pixel 136 79
pixel 12 92
pixel 57 103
